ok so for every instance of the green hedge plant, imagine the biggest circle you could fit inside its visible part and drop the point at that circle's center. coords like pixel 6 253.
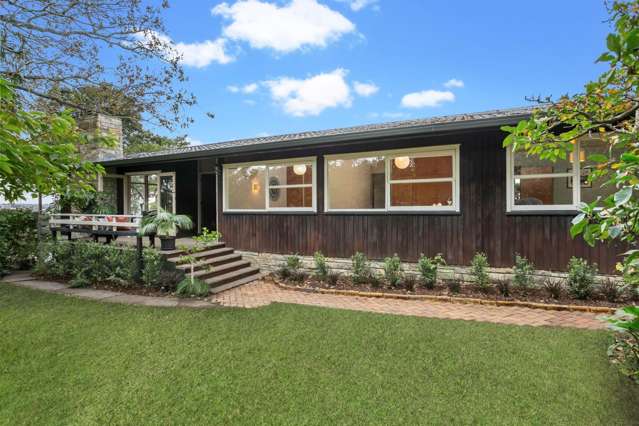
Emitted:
pixel 393 270
pixel 479 266
pixel 523 274
pixel 321 267
pixel 361 268
pixel 18 239
pixel 428 269
pixel 581 277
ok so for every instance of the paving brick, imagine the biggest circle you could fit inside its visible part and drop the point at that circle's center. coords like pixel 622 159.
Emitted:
pixel 261 293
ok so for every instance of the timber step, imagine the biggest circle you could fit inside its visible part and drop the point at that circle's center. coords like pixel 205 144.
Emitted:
pixel 217 265
pixel 175 254
pixel 203 272
pixel 233 276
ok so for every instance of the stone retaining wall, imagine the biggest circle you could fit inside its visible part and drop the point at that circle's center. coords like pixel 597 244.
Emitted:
pixel 271 262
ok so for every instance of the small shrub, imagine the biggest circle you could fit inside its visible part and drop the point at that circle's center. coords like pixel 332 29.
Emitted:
pixel 207 236
pixel 625 351
pixel 479 264
pixel 284 273
pixel 393 270
pixel 333 278
pixel 18 239
pixel 581 277
pixel 293 262
pixel 158 272
pixel 361 268
pixel 298 277
pixel 554 287
pixel 192 288
pixel 503 287
pixel 428 269
pixel 523 274
pixel 321 268
pixel 410 282
pixel 611 290
pixel 454 285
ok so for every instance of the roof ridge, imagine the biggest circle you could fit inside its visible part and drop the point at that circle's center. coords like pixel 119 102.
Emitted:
pixel 398 124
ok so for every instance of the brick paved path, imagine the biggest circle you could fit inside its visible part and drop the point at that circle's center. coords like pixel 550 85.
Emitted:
pixel 263 293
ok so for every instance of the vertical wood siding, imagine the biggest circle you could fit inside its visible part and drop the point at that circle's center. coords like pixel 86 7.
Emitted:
pixel 482 225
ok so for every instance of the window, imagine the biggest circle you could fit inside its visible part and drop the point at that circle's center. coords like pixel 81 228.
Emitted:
pixel 145 189
pixel 534 184
pixel 287 185
pixel 425 179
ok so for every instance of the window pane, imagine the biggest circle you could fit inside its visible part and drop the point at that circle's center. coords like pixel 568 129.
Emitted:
pixel 245 188
pixel 152 201
pixel 597 188
pixel 356 184
pixel 167 188
pixel 290 174
pixel 136 196
pixel 532 165
pixel 290 197
pixel 421 167
pixel 422 194
pixel 546 191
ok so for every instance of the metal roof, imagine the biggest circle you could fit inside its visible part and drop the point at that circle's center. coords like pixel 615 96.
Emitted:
pixel 395 128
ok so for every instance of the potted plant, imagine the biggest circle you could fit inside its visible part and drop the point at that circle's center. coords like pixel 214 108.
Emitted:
pixel 165 225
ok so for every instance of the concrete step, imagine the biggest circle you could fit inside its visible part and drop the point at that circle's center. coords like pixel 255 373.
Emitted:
pixel 174 254
pixel 236 283
pixel 207 254
pixel 229 277
pixel 216 271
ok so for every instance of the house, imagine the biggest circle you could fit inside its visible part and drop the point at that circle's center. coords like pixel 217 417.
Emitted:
pixel 437 185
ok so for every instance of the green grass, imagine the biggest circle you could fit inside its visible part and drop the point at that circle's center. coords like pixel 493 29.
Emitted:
pixel 70 361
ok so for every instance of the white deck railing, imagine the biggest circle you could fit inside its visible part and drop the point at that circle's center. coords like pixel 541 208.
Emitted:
pixel 96 222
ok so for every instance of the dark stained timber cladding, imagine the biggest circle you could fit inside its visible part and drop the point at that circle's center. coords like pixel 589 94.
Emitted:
pixel 482 225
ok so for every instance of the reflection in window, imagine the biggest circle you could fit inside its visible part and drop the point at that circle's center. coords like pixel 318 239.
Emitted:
pixel 245 188
pixel 356 183
pixel 423 179
pixel 538 182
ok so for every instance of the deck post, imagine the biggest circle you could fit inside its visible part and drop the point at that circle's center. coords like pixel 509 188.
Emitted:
pixel 140 257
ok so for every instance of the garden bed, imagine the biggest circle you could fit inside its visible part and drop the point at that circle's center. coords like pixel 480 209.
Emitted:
pixel 467 293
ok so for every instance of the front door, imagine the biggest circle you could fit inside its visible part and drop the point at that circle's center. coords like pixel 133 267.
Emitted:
pixel 208 201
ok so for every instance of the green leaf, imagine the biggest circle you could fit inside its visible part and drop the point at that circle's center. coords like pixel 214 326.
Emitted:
pixel 597 158
pixel 632 39
pixel 623 196
pixel 630 158
pixel 605 57
pixel 613 43
pixel 578 225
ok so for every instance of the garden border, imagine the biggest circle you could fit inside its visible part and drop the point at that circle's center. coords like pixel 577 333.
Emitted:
pixel 449 299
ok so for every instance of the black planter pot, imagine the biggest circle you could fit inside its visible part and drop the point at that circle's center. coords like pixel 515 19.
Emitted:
pixel 167 243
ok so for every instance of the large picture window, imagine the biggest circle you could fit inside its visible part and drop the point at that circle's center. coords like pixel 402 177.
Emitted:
pixel 537 185
pixel 287 185
pixel 425 179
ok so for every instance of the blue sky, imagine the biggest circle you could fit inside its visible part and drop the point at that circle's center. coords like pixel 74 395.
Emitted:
pixel 269 67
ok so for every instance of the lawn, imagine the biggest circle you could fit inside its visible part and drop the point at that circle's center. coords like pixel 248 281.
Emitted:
pixel 70 361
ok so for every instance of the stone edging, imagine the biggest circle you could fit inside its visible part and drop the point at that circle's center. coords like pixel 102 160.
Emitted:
pixel 451 299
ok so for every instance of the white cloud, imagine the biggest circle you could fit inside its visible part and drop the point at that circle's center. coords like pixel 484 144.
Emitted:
pixel 197 55
pixel 427 98
pixel 247 89
pixel 365 89
pixel 357 5
pixel 295 25
pixel 192 141
pixel 453 82
pixel 313 95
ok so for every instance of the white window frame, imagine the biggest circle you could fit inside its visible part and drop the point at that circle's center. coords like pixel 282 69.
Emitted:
pixel 388 155
pixel 160 174
pixel 309 161
pixel 576 187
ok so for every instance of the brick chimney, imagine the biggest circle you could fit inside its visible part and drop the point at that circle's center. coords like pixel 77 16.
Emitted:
pixel 103 124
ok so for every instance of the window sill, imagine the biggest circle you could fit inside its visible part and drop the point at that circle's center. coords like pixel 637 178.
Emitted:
pixel 395 213
pixel 272 212
pixel 542 213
